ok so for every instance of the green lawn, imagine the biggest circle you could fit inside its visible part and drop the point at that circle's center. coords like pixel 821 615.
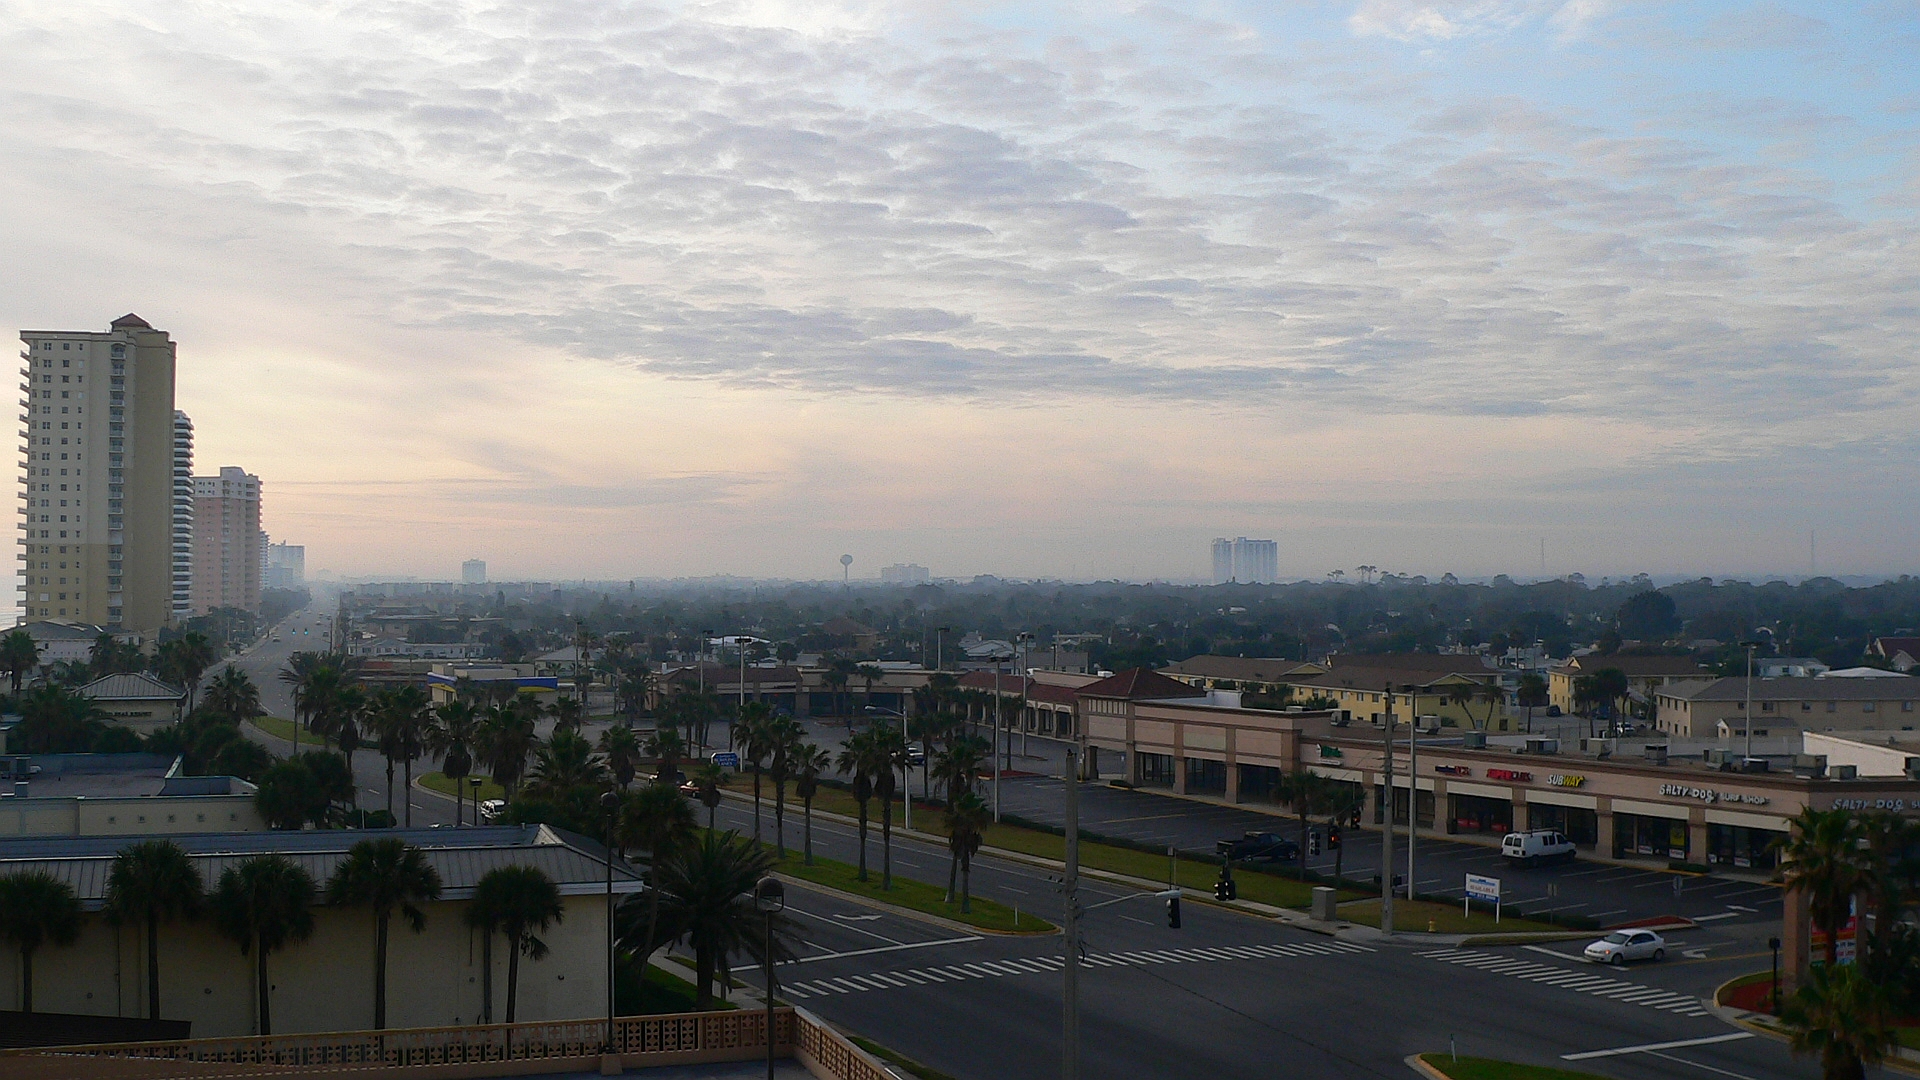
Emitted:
pixel 437 782
pixel 1472 1068
pixel 923 1072
pixel 1445 918
pixel 910 894
pixel 1257 885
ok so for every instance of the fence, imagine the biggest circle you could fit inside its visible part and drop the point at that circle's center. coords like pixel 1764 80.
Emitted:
pixel 459 1052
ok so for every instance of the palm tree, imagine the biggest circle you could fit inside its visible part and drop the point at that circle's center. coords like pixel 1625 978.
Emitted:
pixel 1463 695
pixel 967 819
pixel 231 694
pixel 19 654
pixel 386 875
pixel 264 903
pixel 710 778
pixel 809 764
pixel 752 734
pixel 667 748
pixel 784 738
pixel 153 881
pixel 566 761
pixel 871 673
pixel 1532 694
pixel 706 899
pixel 568 714
pixel 315 682
pixel 452 735
pixel 956 766
pixel 347 719
pixel 193 655
pixel 889 752
pixel 36 909
pixel 856 760
pixel 1842 1014
pixel 506 737
pixel 1611 685
pixel 840 671
pixel 522 902
pixel 658 818
pixel 405 718
pixel 1823 859
pixel 622 753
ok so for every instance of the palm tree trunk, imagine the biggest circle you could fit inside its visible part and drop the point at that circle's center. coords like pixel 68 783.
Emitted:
pixel 953 873
pixel 389 785
pixel 380 973
pixel 261 986
pixel 966 884
pixel 863 840
pixel 459 801
pixel 26 980
pixel 780 817
pixel 513 974
pixel 1303 841
pixel 756 802
pixel 808 814
pixel 406 793
pixel 653 927
pixel 703 976
pixel 152 963
pixel 886 843
pixel 486 977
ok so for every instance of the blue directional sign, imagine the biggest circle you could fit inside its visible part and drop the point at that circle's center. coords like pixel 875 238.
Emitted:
pixel 727 760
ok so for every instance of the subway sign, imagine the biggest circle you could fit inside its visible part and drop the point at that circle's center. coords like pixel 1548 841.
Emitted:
pixel 1565 780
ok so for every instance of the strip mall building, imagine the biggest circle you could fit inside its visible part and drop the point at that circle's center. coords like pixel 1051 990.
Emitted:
pixel 1165 734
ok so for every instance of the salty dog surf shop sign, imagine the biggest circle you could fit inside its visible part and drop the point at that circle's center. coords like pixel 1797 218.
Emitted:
pixel 1482 888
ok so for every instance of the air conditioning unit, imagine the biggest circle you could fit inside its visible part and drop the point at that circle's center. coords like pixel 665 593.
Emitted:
pixel 1719 757
pixel 1473 740
pixel 1656 753
pixel 1843 772
pixel 1753 764
pixel 1541 744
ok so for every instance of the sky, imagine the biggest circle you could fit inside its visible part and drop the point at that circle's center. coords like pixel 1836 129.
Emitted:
pixel 596 289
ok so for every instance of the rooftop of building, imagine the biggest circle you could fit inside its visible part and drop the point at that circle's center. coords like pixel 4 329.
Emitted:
pixel 107 776
pixel 1632 666
pixel 460 856
pixel 61 630
pixel 1795 688
pixel 1136 684
pixel 1242 668
pixel 131 686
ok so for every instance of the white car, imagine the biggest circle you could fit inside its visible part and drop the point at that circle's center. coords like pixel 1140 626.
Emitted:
pixel 1623 945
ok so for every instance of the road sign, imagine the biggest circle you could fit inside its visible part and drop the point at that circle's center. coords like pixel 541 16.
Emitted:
pixel 1482 888
pixel 727 760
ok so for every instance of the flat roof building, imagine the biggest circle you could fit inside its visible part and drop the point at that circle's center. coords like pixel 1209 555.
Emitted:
pixel 118 795
pixel 228 551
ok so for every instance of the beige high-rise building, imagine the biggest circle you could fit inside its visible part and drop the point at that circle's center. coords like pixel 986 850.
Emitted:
pixel 227 542
pixel 97 453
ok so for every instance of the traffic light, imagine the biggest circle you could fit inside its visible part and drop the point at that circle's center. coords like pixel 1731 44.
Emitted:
pixel 1224 889
pixel 1333 836
pixel 1173 913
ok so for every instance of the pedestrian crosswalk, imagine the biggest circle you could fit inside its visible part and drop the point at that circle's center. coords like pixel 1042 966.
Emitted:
pixel 1587 981
pixel 1036 965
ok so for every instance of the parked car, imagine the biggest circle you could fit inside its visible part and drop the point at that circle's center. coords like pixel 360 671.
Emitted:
pixel 916 757
pixel 1623 945
pixel 1535 846
pixel 1259 845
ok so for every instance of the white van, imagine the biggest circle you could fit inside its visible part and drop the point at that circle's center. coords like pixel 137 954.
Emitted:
pixel 1529 848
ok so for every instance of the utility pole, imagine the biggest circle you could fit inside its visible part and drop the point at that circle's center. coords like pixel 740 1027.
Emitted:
pixel 996 739
pixel 1748 707
pixel 1070 927
pixel 1413 780
pixel 1386 836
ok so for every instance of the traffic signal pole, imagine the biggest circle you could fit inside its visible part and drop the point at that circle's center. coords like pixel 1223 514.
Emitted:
pixel 1070 925
pixel 1386 834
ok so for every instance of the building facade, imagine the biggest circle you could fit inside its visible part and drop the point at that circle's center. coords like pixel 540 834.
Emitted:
pixel 1645 675
pixel 226 541
pixel 96 534
pixel 286 566
pixel 1245 561
pixel 181 550
pixel 473 572
pixel 1698 709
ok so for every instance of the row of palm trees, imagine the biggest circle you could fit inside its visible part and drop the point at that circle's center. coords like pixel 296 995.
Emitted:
pixel 265 903
pixel 179 660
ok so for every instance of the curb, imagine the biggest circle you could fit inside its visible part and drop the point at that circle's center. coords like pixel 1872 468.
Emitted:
pixel 910 913
pixel 1766 1026
pixel 1413 1062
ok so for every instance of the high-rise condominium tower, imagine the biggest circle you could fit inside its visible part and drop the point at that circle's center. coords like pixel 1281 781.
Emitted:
pixel 228 547
pixel 97 452
pixel 1245 561
pixel 182 599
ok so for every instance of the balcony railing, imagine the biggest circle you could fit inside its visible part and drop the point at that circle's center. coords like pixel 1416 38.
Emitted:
pixel 475 1051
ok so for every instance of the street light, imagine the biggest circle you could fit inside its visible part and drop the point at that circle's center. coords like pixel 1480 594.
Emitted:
pixel 906 766
pixel 769 899
pixel 610 802
pixel 474 782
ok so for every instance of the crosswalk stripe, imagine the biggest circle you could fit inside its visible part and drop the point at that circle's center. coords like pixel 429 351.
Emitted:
pixel 1675 1004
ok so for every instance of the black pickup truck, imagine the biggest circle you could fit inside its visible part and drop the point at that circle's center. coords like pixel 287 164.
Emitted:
pixel 1259 845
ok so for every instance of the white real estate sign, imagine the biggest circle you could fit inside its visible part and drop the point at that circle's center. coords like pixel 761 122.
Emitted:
pixel 1482 888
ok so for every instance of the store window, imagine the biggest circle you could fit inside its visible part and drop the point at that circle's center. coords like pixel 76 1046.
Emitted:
pixel 1156 770
pixel 1206 777
pixel 1478 814
pixel 1400 807
pixel 1738 846
pixel 1660 838
pixel 1258 782
pixel 1579 824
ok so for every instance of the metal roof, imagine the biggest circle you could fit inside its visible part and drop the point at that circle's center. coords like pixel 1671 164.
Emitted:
pixel 461 856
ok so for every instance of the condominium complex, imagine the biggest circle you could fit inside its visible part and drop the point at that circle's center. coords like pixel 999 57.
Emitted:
pixel 229 553
pixel 473 572
pixel 1245 561
pixel 97 524
pixel 286 566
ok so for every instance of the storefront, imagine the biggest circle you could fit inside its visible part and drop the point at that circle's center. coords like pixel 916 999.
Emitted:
pixel 1258 783
pixel 1649 837
pixel 1425 803
pixel 1156 770
pixel 1206 776
pixel 1479 814
pixel 1576 823
pixel 1743 847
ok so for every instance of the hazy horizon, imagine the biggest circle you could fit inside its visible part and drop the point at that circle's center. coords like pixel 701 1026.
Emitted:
pixel 596 290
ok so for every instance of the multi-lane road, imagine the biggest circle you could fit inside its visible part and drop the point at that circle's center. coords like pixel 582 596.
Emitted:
pixel 1228 994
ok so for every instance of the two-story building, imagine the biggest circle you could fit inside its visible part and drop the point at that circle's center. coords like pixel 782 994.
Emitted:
pixel 1698 709
pixel 1645 675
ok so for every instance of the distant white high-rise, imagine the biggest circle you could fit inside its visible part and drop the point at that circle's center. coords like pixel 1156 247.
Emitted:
pixel 1248 562
pixel 474 572
pixel 286 566
pixel 905 574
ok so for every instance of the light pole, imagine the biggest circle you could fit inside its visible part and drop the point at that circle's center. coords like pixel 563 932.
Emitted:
pixel 1070 927
pixel 1413 780
pixel 998 711
pixel 610 802
pixel 1748 707
pixel 906 767
pixel 474 783
pixel 940 649
pixel 769 899
pixel 1386 835
pixel 1024 669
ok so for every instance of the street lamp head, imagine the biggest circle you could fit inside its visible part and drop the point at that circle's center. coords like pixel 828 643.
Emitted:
pixel 769 896
pixel 610 801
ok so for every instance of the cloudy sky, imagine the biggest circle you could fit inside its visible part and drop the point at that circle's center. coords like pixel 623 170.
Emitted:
pixel 608 289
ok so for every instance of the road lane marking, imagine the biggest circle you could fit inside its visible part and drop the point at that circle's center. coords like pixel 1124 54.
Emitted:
pixel 1550 952
pixel 1733 1036
pixel 886 949
pixel 842 925
pixel 1581 983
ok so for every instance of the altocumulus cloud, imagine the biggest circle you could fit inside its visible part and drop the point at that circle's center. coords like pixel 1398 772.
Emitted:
pixel 893 204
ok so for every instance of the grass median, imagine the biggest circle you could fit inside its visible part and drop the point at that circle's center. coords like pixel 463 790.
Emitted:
pixel 1262 886
pixel 283 729
pixel 1473 1068
pixel 440 782
pixel 910 894
pixel 1421 915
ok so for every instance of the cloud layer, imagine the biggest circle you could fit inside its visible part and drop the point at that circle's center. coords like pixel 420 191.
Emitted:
pixel 1168 212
